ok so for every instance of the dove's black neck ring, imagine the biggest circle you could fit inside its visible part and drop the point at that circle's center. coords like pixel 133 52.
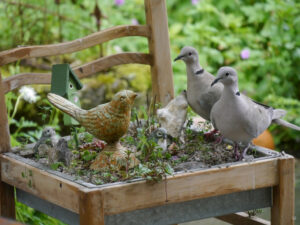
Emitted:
pixel 199 72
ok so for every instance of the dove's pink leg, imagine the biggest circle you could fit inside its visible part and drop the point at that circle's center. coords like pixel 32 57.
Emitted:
pixel 236 153
pixel 244 155
pixel 219 140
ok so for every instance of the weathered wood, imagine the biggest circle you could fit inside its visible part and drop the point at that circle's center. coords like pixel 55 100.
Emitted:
pixel 110 61
pixel 243 219
pixel 8 222
pixel 91 208
pixel 283 209
pixel 73 46
pixel 40 183
pixel 16 81
pixel 192 185
pixel 88 69
pixel 159 48
pixel 4 127
pixel 7 202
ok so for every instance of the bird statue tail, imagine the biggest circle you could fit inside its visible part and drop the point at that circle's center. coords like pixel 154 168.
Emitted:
pixel 286 124
pixel 65 106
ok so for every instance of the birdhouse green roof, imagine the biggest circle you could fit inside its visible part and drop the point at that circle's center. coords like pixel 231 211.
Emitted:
pixel 62 74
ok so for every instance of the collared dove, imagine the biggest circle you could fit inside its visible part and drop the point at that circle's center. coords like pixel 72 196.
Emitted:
pixel 238 117
pixel 200 95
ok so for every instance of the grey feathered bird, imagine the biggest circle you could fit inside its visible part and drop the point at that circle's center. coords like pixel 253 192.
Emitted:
pixel 237 116
pixel 200 95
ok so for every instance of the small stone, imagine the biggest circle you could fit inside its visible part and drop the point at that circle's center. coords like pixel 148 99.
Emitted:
pixel 173 116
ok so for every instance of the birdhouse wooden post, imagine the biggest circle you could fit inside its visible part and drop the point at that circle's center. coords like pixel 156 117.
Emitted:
pixel 65 83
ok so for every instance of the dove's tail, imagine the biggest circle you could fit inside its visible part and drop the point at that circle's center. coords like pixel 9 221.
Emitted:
pixel 278 113
pixel 65 105
pixel 286 124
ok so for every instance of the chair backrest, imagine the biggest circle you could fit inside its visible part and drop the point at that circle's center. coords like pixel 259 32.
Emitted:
pixel 156 30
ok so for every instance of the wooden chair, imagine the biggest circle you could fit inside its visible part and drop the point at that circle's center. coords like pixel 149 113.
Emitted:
pixel 183 197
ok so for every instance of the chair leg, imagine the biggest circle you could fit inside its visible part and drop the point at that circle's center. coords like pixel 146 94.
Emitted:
pixel 7 201
pixel 282 212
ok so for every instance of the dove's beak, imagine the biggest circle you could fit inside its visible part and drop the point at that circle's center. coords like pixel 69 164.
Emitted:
pixel 178 57
pixel 215 81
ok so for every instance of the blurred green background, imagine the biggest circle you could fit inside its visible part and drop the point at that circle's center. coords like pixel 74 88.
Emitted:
pixel 261 39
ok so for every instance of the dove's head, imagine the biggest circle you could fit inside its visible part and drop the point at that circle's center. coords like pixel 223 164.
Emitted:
pixel 123 100
pixel 188 55
pixel 226 75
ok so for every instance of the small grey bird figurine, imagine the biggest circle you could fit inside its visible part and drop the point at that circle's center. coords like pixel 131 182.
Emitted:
pixel 238 117
pixel 173 115
pixel 48 136
pixel 159 135
pixel 200 95
pixel 63 152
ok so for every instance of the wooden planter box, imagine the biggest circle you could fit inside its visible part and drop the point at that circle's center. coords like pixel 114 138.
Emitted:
pixel 228 188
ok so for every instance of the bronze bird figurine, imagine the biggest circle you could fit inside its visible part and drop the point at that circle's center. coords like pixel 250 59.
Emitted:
pixel 107 122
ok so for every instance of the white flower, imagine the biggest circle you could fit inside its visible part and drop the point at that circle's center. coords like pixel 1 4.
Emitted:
pixel 28 94
pixel 118 49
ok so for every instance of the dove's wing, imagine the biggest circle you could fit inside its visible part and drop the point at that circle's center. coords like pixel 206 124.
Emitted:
pixel 209 98
pixel 257 118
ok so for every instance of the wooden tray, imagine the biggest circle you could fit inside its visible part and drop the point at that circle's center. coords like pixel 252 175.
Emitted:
pixel 185 196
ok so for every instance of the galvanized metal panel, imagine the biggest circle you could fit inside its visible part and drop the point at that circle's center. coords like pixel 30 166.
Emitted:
pixel 167 214
pixel 195 209
pixel 48 208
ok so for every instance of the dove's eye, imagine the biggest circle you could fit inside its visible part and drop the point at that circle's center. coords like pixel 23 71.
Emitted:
pixel 190 53
pixel 122 98
pixel 159 134
pixel 227 74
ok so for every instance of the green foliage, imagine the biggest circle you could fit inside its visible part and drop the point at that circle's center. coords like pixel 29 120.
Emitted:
pixel 30 216
pixel 55 166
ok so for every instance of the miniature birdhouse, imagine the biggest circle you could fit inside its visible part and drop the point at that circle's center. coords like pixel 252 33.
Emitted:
pixel 65 83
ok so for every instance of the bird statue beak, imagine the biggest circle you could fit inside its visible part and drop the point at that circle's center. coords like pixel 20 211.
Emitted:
pixel 215 81
pixel 178 57
pixel 132 97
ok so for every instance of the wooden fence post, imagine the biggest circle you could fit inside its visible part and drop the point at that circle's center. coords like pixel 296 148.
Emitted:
pixel 7 201
pixel 282 212
pixel 159 48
